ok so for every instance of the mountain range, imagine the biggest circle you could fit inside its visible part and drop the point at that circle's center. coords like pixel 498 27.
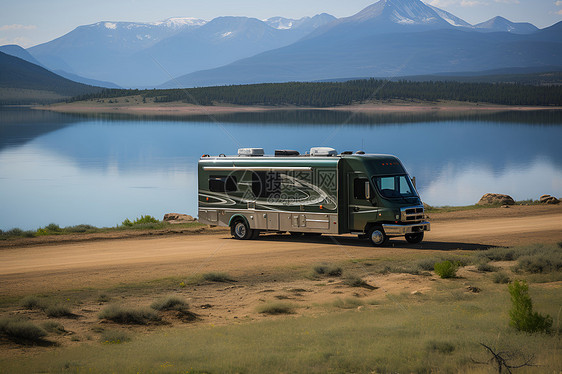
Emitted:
pixel 387 39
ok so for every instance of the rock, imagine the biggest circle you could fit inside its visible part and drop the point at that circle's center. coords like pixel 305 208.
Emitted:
pixel 178 218
pixel 417 293
pixel 505 206
pixel 547 199
pixel 496 198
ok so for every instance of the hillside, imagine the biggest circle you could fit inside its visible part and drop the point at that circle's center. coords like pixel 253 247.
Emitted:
pixel 22 82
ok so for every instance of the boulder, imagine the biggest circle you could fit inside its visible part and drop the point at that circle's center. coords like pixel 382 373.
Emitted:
pixel 496 199
pixel 547 199
pixel 178 218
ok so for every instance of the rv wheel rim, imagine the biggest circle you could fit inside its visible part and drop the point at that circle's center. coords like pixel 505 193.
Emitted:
pixel 377 237
pixel 240 230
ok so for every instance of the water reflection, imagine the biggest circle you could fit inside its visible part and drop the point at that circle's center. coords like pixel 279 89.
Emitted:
pixel 71 170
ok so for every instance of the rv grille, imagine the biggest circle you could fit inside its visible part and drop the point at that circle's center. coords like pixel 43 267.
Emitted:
pixel 412 214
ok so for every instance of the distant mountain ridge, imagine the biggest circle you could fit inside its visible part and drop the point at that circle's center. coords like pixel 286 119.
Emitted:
pixel 147 54
pixel 388 38
pixel 391 38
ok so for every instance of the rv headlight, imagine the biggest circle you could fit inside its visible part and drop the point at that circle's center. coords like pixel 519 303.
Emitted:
pixel 397 217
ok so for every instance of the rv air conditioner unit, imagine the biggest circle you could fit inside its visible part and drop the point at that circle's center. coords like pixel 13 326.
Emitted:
pixel 249 152
pixel 323 151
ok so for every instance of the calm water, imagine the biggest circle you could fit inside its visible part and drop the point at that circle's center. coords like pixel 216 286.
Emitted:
pixel 102 169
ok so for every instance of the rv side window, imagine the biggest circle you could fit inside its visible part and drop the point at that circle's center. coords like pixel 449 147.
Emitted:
pixel 265 184
pixel 359 188
pixel 223 183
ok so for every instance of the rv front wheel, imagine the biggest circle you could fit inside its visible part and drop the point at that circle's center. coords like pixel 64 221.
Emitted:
pixel 377 236
pixel 414 238
pixel 240 230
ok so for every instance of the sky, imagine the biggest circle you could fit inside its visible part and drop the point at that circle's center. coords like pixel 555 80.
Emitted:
pixel 31 22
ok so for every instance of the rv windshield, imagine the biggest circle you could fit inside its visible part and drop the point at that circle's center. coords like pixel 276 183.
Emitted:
pixel 397 186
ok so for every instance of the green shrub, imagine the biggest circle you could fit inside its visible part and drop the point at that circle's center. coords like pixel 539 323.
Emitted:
pixel 80 228
pixel 32 302
pixel 145 219
pixel 53 227
pixel 114 337
pixel 127 222
pixel 21 331
pixel 276 308
pixel 501 277
pixel 522 316
pixel 445 269
pixel 329 270
pixel 14 232
pixel 57 311
pixel 441 347
pixel 129 316
pixel 53 327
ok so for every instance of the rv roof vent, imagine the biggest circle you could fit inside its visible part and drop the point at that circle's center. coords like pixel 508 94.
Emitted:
pixel 250 152
pixel 323 151
pixel 360 152
pixel 286 152
pixel 347 153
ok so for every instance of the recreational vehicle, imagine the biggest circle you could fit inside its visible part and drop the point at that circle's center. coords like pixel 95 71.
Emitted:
pixel 320 192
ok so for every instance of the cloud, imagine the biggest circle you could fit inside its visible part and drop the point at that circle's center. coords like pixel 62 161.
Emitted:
pixel 507 1
pixel 17 27
pixel 559 12
pixel 558 3
pixel 471 3
pixel 442 3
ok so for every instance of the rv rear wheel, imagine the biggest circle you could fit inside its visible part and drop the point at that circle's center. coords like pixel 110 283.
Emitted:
pixel 377 236
pixel 240 230
pixel 414 238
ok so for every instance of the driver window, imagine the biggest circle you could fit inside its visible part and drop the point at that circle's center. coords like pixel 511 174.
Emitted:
pixel 359 188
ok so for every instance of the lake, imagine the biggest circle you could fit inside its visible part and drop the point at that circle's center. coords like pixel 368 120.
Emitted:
pixel 101 169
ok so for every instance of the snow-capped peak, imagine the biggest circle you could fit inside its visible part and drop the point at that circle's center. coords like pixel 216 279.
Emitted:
pixel 178 22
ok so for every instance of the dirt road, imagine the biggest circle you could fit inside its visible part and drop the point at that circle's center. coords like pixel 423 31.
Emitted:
pixel 107 263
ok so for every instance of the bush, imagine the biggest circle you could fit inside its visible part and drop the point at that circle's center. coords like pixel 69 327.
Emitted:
pixel 329 270
pixel 32 302
pixel 170 303
pixel 21 331
pixel 177 304
pixel 427 264
pixel 114 337
pixel 501 277
pixel 53 227
pixel 118 314
pixel 57 311
pixel 127 222
pixel 487 268
pixel 522 316
pixel 53 327
pixel 446 269
pixel 80 228
pixel 348 303
pixel 355 281
pixel 145 219
pixel 275 308
pixel 540 263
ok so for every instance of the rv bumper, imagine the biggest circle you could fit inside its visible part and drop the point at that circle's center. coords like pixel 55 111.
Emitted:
pixel 398 230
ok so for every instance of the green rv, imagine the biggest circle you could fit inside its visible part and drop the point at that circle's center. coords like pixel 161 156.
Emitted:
pixel 321 192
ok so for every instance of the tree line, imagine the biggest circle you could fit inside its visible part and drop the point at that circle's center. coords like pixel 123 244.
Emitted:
pixel 326 94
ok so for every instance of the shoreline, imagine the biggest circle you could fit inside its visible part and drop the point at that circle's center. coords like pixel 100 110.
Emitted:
pixel 181 109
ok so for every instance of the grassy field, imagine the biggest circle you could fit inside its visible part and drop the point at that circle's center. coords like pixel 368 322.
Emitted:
pixel 345 328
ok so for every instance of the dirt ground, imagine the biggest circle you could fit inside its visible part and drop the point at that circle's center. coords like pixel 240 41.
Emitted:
pixel 262 270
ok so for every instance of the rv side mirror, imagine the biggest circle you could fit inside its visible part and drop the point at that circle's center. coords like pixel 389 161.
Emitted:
pixel 367 190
